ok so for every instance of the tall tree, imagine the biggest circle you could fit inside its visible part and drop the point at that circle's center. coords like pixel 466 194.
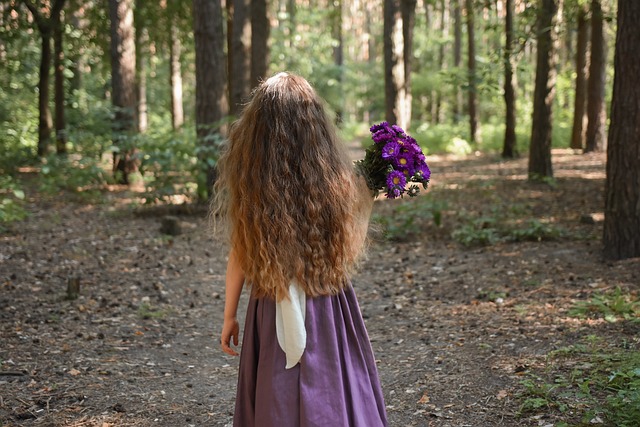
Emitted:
pixel 457 56
pixel 408 13
pixel 58 84
pixel 260 29
pixel 578 132
pixel 544 93
pixel 622 192
pixel 471 72
pixel 123 85
pixel 394 71
pixel 175 70
pixel 45 25
pixel 240 55
pixel 596 111
pixel 211 80
pixel 509 146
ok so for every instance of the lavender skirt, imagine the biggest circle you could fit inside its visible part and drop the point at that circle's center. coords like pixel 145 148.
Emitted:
pixel 336 382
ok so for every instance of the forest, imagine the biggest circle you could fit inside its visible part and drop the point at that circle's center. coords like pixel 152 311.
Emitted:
pixel 506 294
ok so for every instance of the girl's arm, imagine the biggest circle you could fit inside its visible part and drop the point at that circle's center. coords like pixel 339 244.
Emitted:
pixel 234 283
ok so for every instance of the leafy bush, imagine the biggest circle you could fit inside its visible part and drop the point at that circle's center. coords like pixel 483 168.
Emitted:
pixel 408 217
pixel 11 196
pixel 612 306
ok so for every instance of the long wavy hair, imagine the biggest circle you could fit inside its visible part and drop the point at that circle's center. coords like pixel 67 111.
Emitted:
pixel 288 195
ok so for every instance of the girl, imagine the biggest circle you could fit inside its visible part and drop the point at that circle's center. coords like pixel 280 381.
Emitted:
pixel 297 217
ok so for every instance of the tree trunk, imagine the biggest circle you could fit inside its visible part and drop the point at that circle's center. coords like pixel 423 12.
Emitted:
pixel 471 72
pixel 123 96
pixel 596 111
pixel 338 54
pixel 408 13
pixel 578 133
pixel 442 63
pixel 509 147
pixel 175 77
pixel 211 99
pixel 544 93
pixel 45 122
pixel 457 58
pixel 58 87
pixel 260 28
pixel 622 192
pixel 394 64
pixel 241 55
pixel 142 45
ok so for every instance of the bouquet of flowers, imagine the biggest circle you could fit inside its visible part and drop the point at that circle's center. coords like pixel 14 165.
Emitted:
pixel 393 159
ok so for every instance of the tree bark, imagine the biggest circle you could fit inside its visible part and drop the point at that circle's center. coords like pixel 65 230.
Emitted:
pixel 474 135
pixel 622 191
pixel 211 79
pixel 578 133
pixel 241 55
pixel 596 111
pixel 175 76
pixel 540 166
pixel 260 29
pixel 142 45
pixel 509 148
pixel 123 83
pixel 408 13
pixel 45 26
pixel 457 57
pixel 394 64
pixel 58 86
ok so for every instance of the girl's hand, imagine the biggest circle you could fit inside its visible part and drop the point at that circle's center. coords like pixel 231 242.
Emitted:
pixel 230 329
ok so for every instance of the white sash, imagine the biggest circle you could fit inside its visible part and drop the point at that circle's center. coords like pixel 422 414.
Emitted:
pixel 290 329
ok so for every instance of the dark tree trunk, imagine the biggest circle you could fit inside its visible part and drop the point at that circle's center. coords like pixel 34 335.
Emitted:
pixel 442 63
pixel 408 13
pixel 578 133
pixel 338 53
pixel 45 122
pixel 509 147
pixel 457 57
pixel 58 87
pixel 46 27
pixel 544 93
pixel 394 64
pixel 471 72
pixel 622 192
pixel 211 99
pixel 123 84
pixel 260 28
pixel 241 55
pixel 175 77
pixel 596 111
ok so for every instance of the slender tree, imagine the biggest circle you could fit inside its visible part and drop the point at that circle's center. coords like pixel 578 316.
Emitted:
pixel 211 80
pixel 260 29
pixel 58 84
pixel 45 26
pixel 123 85
pixel 596 111
pixel 509 147
pixel 457 57
pixel 471 73
pixel 240 55
pixel 622 191
pixel 394 71
pixel 544 93
pixel 578 132
pixel 408 13
pixel 175 70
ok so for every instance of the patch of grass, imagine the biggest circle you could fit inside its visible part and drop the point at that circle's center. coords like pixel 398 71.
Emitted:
pixel 11 197
pixel 408 218
pixel 146 311
pixel 585 384
pixel 612 306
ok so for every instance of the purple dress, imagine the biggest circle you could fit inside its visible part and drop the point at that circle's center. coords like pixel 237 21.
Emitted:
pixel 336 382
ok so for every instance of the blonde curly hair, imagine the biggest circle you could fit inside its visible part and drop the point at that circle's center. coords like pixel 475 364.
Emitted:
pixel 287 193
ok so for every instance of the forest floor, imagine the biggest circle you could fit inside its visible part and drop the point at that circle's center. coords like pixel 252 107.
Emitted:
pixel 457 330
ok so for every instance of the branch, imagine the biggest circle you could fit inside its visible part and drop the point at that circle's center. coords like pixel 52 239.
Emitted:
pixel 41 22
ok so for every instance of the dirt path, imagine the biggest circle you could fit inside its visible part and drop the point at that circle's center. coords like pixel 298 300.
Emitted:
pixel 453 329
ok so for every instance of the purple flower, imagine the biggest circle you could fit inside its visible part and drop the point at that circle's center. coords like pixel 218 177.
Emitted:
pixel 423 170
pixel 404 161
pixel 376 128
pixel 390 150
pixel 396 179
pixel 393 193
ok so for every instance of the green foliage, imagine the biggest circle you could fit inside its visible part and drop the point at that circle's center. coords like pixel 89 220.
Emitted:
pixel 11 197
pixel 612 306
pixel 602 383
pixel 146 311
pixel 409 217
pixel 83 176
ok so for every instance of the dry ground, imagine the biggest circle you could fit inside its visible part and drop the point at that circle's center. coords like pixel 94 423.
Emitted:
pixel 454 329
